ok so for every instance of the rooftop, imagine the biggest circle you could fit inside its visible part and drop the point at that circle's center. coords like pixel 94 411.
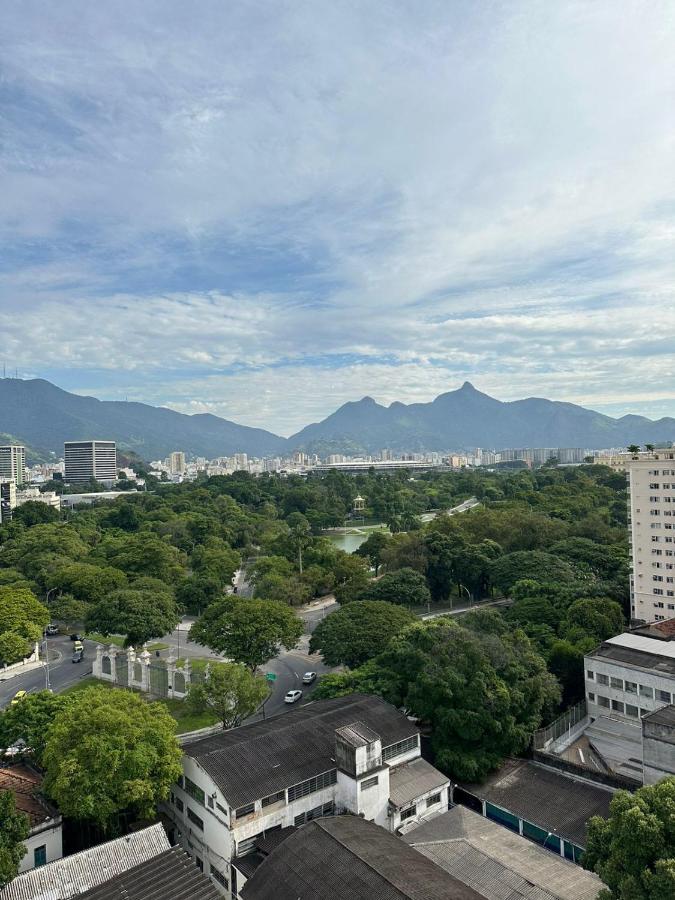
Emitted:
pixel 551 800
pixel 348 858
pixel 647 657
pixel 259 759
pixel 663 716
pixel 25 784
pixel 498 863
pixel 357 734
pixel 412 780
pixel 660 631
pixel 72 875
pixel 170 876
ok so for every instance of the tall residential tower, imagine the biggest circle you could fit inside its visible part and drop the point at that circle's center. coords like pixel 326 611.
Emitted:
pixel 90 459
pixel 13 464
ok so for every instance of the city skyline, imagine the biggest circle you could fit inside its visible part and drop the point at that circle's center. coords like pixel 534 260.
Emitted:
pixel 266 211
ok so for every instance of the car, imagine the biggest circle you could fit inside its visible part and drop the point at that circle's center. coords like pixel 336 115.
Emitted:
pixel 309 677
pixel 78 647
pixel 78 656
pixel 76 637
pixel 18 697
pixel 52 629
pixel 292 696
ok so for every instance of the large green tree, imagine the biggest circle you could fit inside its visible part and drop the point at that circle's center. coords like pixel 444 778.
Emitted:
pixel 139 615
pixel 405 587
pixel 358 631
pixel 231 690
pixel 22 620
pixel 14 829
pixel 246 630
pixel 30 721
pixel 633 851
pixel 371 549
pixel 109 751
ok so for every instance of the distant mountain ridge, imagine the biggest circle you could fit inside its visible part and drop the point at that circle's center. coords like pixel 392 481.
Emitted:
pixel 44 416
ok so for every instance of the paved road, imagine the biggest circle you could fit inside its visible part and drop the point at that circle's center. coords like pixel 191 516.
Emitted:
pixel 63 672
pixel 463 507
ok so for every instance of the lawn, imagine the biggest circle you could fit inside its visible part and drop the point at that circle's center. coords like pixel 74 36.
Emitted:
pixel 179 710
pixel 115 639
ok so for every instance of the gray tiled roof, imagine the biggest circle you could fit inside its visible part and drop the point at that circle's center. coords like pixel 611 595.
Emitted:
pixel 638 658
pixel 348 858
pixel 357 734
pixel 663 716
pixel 498 863
pixel 72 875
pixel 411 780
pixel 256 760
pixel 170 876
pixel 546 798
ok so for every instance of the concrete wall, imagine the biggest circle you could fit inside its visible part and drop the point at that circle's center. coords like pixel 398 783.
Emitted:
pixel 658 751
pixel 48 835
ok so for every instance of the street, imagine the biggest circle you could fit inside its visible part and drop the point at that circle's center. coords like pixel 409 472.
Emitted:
pixel 63 672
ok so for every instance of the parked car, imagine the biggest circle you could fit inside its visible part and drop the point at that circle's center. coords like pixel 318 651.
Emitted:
pixel 309 677
pixel 76 637
pixel 292 696
pixel 78 656
pixel 18 697
pixel 52 629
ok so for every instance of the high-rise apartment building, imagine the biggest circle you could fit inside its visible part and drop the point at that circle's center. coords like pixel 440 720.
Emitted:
pixel 7 500
pixel 651 478
pixel 90 459
pixel 177 464
pixel 13 464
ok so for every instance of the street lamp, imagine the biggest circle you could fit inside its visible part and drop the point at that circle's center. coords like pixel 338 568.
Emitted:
pixel 48 685
pixel 468 593
pixel 50 591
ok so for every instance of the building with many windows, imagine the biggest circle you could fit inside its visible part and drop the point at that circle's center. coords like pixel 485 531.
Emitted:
pixel 13 464
pixel 177 463
pixel 354 754
pixel 85 460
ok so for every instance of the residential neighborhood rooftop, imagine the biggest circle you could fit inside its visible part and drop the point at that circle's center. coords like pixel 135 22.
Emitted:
pixel 73 875
pixel 25 784
pixel 412 780
pixel 256 760
pixel 498 863
pixel 349 858
pixel 549 799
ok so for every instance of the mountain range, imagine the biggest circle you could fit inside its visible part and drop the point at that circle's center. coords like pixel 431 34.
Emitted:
pixel 43 416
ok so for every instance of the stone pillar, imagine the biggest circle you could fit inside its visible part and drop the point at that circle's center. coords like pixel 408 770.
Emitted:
pixel 131 659
pixel 113 651
pixel 98 662
pixel 145 671
pixel 187 672
pixel 170 672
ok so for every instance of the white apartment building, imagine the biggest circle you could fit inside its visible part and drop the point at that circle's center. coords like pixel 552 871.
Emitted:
pixel 651 478
pixel 13 464
pixel 7 500
pixel 353 754
pixel 90 459
pixel 35 495
pixel 632 674
pixel 177 464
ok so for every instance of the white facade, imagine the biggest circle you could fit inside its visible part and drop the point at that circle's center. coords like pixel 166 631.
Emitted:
pixel 215 833
pixel 35 495
pixel 625 689
pixel 651 478
pixel 13 463
pixel 43 845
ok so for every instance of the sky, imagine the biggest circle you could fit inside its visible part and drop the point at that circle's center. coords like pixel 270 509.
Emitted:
pixel 264 209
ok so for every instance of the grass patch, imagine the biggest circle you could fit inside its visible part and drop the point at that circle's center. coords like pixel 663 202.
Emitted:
pixel 197 664
pixel 157 646
pixel 115 639
pixel 179 710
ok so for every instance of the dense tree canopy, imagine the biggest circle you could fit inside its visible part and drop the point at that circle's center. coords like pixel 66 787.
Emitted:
pixel 29 721
pixel 633 851
pixel 404 586
pixel 138 614
pixel 231 690
pixel 14 829
pixel 247 631
pixel 108 751
pixel 357 632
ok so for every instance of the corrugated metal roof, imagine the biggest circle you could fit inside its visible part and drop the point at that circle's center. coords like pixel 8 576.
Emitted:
pixel 170 876
pixel 644 644
pixel 357 734
pixel 72 875
pixel 499 863
pixel 256 760
pixel 411 780
pixel 348 858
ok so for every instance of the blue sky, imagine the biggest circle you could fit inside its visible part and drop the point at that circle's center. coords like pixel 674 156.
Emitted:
pixel 265 209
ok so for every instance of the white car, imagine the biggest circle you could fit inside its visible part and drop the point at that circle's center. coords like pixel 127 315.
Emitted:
pixel 309 678
pixel 292 696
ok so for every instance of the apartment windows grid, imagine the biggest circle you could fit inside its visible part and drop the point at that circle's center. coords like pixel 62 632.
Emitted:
pixel 84 460
pixel 13 464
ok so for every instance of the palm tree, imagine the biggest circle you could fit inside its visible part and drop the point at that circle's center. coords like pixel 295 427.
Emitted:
pixel 634 449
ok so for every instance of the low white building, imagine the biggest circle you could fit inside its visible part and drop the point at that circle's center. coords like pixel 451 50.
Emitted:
pixel 354 754
pixel 44 843
pixel 632 674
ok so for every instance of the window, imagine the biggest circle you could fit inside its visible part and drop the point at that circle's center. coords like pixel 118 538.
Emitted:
pixel 617 706
pixel 195 791
pixel 603 701
pixel 273 798
pixel 665 696
pixel 631 711
pixel 601 679
pixel 209 801
pixel 433 800
pixel 646 691
pixel 194 818
pixel 631 687
pixel 408 813
pixel 219 877
pixel 591 698
pixel 316 813
pixel 179 804
pixel 244 811
pixel 312 785
pixel 199 863
pixel 589 675
pixel 40 856
pixel 247 845
pixel 405 746
pixel 617 683
pixel 369 783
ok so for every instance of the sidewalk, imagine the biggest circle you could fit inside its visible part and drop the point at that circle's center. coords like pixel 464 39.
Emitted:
pixel 20 669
